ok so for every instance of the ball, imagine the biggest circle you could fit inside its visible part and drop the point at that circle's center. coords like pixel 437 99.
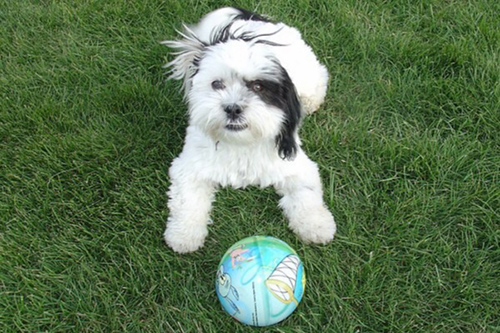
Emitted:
pixel 260 280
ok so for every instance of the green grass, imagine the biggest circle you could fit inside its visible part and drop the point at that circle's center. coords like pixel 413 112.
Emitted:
pixel 407 143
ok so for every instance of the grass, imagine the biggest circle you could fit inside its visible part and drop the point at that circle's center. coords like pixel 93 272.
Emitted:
pixel 407 143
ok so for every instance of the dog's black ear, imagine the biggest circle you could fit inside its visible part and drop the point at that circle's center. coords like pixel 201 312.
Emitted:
pixel 286 140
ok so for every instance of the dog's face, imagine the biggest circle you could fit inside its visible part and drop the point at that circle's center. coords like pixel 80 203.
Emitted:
pixel 238 92
pixel 235 93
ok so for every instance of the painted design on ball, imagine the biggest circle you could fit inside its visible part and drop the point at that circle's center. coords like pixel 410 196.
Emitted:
pixel 281 283
pixel 237 256
pixel 260 280
pixel 224 288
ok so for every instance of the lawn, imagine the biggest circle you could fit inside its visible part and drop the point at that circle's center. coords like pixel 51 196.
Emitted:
pixel 408 145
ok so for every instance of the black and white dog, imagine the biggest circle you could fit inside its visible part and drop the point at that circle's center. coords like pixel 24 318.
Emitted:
pixel 248 82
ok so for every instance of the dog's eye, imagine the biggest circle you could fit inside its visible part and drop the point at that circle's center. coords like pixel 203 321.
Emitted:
pixel 218 85
pixel 256 86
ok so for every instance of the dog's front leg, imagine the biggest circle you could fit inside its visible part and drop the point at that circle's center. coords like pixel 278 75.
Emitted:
pixel 303 205
pixel 190 202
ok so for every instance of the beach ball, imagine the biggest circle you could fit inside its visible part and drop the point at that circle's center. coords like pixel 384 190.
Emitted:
pixel 260 280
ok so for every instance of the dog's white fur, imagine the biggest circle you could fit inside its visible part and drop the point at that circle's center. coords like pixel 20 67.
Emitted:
pixel 214 155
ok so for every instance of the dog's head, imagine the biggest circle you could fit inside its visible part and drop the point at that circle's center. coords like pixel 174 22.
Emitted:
pixel 236 89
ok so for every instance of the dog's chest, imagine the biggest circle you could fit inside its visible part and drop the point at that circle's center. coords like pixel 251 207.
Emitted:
pixel 240 167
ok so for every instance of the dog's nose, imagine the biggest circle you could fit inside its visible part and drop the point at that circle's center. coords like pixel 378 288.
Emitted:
pixel 233 111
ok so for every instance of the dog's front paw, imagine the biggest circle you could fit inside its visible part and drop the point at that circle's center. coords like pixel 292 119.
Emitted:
pixel 185 238
pixel 314 226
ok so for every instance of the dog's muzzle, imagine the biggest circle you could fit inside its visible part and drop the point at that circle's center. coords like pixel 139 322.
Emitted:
pixel 234 118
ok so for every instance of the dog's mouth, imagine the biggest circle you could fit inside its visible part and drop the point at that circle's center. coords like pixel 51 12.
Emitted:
pixel 236 127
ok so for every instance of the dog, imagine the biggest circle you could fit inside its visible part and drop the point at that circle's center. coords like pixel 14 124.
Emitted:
pixel 248 83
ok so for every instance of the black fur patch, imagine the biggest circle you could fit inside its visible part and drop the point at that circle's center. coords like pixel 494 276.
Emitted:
pixel 282 94
pixel 196 65
pixel 225 34
pixel 249 16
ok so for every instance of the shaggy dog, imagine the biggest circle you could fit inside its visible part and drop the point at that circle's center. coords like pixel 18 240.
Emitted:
pixel 248 82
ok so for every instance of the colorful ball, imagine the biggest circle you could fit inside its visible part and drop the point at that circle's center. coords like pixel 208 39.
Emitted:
pixel 260 280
